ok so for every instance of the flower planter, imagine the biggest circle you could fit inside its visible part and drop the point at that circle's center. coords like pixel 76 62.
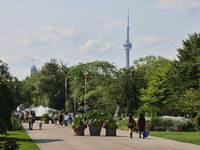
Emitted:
pixel 148 128
pixel 46 121
pixel 179 128
pixel 110 132
pixel 79 132
pixel 95 131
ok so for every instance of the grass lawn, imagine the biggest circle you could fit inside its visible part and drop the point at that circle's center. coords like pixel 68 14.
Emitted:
pixel 22 138
pixel 187 137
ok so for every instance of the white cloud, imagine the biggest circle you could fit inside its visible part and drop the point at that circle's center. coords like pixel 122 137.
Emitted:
pixel 172 54
pixel 44 35
pixel 182 6
pixel 151 40
pixel 109 24
pixel 97 46
pixel 17 57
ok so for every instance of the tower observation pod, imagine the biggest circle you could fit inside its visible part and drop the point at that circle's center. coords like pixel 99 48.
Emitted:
pixel 127 45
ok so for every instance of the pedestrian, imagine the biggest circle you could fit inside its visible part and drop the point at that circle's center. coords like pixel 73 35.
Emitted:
pixel 141 125
pixel 131 124
pixel 66 117
pixel 40 123
pixel 26 117
pixel 30 121
pixel 55 116
pixel 61 119
pixel 69 119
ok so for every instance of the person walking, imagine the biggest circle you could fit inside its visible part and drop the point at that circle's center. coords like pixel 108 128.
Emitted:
pixel 30 121
pixel 66 117
pixel 61 119
pixel 55 116
pixel 141 125
pixel 131 124
pixel 40 123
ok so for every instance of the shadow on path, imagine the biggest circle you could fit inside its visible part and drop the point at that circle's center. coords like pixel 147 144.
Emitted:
pixel 46 140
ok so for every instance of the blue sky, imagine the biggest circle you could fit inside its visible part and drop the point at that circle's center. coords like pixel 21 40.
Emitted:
pixel 88 30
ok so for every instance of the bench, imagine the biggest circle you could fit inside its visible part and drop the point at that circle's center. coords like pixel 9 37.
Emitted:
pixel 163 126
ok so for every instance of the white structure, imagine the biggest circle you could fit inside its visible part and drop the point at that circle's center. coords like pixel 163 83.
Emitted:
pixel 33 70
pixel 127 45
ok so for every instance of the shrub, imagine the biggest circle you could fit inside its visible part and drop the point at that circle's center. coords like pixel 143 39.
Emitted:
pixel 78 124
pixel 197 122
pixel 190 126
pixel 95 118
pixel 16 123
pixel 110 123
pixel 45 116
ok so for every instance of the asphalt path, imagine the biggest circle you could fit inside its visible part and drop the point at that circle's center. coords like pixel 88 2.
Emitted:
pixel 59 138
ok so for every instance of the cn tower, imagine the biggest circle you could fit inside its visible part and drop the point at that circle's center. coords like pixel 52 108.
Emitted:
pixel 127 45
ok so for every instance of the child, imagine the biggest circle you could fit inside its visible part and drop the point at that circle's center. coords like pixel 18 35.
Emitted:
pixel 40 123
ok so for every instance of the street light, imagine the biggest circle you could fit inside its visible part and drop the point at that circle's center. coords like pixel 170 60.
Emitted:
pixel 83 98
pixel 54 101
pixel 15 87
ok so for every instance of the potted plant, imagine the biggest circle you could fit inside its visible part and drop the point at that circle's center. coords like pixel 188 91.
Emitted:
pixel 78 125
pixel 95 122
pixel 110 125
pixel 45 118
pixel 148 125
pixel 178 125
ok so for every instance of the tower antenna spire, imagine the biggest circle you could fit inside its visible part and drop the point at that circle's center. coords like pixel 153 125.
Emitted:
pixel 128 18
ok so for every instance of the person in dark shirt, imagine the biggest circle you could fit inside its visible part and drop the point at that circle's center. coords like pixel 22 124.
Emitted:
pixel 141 125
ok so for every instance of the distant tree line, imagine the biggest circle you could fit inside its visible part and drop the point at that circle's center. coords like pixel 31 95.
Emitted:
pixel 152 84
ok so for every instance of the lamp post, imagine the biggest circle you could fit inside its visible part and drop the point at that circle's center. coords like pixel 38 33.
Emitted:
pixel 54 101
pixel 83 98
pixel 16 91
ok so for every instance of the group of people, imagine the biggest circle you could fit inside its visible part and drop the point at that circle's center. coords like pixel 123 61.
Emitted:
pixel 132 124
pixel 62 119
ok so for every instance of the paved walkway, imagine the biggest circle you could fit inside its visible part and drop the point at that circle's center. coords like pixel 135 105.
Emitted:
pixel 50 138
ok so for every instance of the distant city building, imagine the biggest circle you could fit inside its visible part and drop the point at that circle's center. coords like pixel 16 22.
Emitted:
pixel 127 45
pixel 33 70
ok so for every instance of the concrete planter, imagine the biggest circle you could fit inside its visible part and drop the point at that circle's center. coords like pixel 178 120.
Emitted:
pixel 46 121
pixel 148 128
pixel 95 131
pixel 79 132
pixel 110 132
pixel 179 129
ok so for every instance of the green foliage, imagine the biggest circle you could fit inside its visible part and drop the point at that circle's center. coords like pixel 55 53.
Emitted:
pixel 156 95
pixel 78 123
pixel 197 122
pixel 45 116
pixel 16 123
pixel 94 118
pixel 9 145
pixel 22 138
pixel 123 124
pixel 191 101
pixel 7 105
pixel 186 137
pixel 110 122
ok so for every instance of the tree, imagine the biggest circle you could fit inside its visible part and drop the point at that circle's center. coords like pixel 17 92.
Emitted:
pixel 191 101
pixel 184 73
pixel 8 104
pixel 4 71
pixel 155 97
